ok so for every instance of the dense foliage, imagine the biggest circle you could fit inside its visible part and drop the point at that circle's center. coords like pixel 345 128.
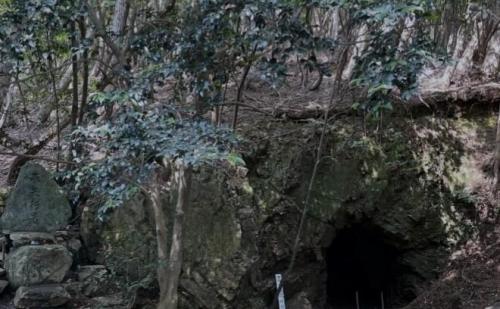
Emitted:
pixel 130 151
pixel 168 63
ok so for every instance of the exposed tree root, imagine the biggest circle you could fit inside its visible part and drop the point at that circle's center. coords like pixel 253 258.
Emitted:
pixel 310 111
pixel 429 99
pixel 487 93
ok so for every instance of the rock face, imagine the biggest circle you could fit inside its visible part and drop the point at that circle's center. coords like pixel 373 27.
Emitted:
pixel 3 285
pixel 494 306
pixel 36 204
pixel 3 199
pixel 115 301
pixel 94 280
pixel 32 265
pixel 43 296
pixel 299 301
pixel 134 237
pixel 240 228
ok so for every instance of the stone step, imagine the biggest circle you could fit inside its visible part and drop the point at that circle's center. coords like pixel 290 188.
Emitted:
pixel 20 239
pixel 41 296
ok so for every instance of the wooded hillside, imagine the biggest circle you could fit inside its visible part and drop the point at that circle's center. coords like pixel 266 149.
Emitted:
pixel 128 98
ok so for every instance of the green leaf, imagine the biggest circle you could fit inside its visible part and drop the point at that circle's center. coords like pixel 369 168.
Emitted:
pixel 235 160
pixel 379 88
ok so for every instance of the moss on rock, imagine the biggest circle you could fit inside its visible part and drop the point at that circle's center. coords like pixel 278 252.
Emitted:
pixel 240 228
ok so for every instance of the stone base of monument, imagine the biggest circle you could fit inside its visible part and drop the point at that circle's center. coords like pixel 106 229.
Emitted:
pixel 39 249
pixel 41 296
pixel 36 258
pixel 38 264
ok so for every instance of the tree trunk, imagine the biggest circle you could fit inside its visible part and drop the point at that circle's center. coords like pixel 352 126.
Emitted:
pixel 169 269
pixel 164 6
pixel 74 102
pixel 119 17
pixel 74 67
pixel 62 86
pixel 485 35
pixel 183 178
pixel 479 93
pixel 9 99
pixel 161 233
pixel 496 185
pixel 118 24
pixel 50 66
pixel 239 96
pixel 5 82
pixel 85 77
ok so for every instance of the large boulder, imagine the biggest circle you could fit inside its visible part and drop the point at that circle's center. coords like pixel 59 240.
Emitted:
pixel 127 244
pixel 36 204
pixel 31 265
pixel 43 296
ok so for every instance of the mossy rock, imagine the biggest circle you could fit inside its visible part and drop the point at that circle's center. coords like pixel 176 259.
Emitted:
pixel 126 241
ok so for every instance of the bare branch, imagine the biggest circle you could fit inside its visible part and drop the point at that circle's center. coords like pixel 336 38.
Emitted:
pixel 34 157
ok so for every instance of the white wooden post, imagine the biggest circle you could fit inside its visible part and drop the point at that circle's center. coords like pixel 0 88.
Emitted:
pixel 281 295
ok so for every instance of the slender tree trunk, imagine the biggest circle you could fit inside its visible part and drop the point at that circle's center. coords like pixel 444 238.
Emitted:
pixel 5 82
pixel 239 96
pixel 485 35
pixel 119 17
pixel 183 179
pixel 161 234
pixel 170 266
pixel 164 6
pixel 74 102
pixel 62 86
pixel 118 24
pixel 74 66
pixel 496 185
pixel 85 73
pixel 23 101
pixel 9 99
pixel 52 76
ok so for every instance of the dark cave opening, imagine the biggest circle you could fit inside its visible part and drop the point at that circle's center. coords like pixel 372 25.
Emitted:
pixel 363 265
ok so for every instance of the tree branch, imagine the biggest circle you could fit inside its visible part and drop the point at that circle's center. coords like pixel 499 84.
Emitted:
pixel 34 157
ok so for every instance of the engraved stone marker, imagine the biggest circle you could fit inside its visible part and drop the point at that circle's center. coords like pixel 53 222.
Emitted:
pixel 36 204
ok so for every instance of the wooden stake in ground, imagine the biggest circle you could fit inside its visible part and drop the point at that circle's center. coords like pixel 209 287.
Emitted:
pixel 357 300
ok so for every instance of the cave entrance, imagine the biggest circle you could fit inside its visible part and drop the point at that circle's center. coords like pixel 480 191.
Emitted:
pixel 362 264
